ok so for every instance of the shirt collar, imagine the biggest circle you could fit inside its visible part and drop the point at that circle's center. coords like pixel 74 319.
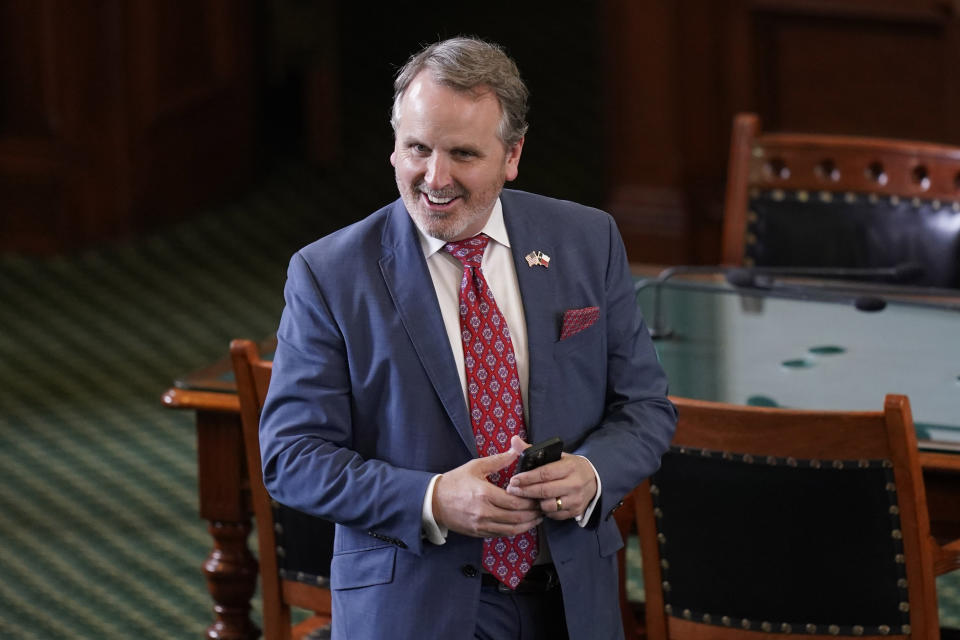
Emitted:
pixel 495 229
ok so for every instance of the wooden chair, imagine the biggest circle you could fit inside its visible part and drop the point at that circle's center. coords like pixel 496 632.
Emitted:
pixel 294 548
pixel 789 524
pixel 806 200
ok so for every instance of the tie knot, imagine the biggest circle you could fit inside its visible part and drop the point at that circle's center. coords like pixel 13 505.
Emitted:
pixel 469 251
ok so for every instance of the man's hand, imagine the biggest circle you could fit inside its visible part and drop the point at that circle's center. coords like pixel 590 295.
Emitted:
pixel 563 488
pixel 466 502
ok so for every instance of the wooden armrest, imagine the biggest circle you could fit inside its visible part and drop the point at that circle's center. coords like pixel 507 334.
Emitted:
pixel 946 557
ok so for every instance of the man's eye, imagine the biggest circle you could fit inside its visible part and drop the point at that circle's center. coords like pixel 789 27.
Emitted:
pixel 420 149
pixel 463 153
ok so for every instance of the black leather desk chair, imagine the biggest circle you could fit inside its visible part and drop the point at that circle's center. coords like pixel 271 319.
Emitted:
pixel 840 201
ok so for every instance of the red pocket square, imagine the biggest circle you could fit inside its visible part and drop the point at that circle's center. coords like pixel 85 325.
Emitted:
pixel 576 320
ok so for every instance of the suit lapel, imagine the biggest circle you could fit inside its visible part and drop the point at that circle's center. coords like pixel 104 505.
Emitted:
pixel 408 280
pixel 538 289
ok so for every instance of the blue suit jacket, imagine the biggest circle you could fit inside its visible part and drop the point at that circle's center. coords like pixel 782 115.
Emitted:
pixel 365 406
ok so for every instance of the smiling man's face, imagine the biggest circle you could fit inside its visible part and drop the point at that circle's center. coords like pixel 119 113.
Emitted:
pixel 450 164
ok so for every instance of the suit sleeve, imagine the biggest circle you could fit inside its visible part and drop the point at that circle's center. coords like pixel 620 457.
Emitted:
pixel 307 431
pixel 639 420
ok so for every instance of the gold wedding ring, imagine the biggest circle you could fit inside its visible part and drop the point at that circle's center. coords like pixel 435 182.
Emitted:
pixel 559 504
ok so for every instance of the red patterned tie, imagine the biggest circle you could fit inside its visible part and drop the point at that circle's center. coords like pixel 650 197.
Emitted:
pixel 496 408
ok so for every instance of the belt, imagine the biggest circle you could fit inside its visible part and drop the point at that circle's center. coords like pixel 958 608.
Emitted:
pixel 540 579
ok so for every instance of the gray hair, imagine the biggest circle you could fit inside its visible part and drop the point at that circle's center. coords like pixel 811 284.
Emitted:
pixel 466 64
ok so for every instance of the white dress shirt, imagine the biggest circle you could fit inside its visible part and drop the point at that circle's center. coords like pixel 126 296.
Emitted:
pixel 501 276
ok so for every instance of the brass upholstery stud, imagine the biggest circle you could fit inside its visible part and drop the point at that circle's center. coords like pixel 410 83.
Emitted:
pixel 896 534
pixel 786 628
pixel 725 620
pixel 687 614
pixel 904 606
pixel 884 630
pixel 766 626
pixel 745 624
pixel 857 630
pixel 811 628
pixel 802 195
pixel 834 630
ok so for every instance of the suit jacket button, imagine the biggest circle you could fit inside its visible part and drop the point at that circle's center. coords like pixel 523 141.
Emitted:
pixel 469 570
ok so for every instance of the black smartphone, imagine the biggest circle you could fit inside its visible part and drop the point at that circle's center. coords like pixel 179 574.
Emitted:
pixel 540 454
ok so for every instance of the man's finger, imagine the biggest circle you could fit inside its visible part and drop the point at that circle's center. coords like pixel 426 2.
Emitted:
pixel 547 473
pixel 518 444
pixel 489 464
pixel 503 500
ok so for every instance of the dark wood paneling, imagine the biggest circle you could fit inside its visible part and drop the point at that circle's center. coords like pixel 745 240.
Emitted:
pixel 852 75
pixel 115 116
pixel 682 69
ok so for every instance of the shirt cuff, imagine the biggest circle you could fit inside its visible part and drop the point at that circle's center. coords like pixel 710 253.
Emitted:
pixel 432 531
pixel 584 517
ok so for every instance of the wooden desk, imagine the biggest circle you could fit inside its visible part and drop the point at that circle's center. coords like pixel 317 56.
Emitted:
pixel 224 499
pixel 696 367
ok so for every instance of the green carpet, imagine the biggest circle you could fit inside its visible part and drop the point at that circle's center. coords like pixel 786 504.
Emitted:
pixel 99 532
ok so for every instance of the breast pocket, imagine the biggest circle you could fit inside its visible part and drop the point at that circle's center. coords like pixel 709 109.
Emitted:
pixel 585 338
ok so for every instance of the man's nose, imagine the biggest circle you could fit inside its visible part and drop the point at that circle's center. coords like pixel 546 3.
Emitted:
pixel 438 172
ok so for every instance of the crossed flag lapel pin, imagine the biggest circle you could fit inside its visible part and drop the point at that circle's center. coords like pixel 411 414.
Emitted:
pixel 535 258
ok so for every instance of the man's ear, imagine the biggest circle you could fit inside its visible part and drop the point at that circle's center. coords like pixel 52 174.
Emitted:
pixel 512 161
pixel 393 158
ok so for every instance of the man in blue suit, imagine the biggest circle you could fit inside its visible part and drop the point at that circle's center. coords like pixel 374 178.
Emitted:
pixel 377 410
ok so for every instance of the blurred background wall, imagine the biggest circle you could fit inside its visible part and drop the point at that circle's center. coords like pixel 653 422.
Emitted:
pixel 121 116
